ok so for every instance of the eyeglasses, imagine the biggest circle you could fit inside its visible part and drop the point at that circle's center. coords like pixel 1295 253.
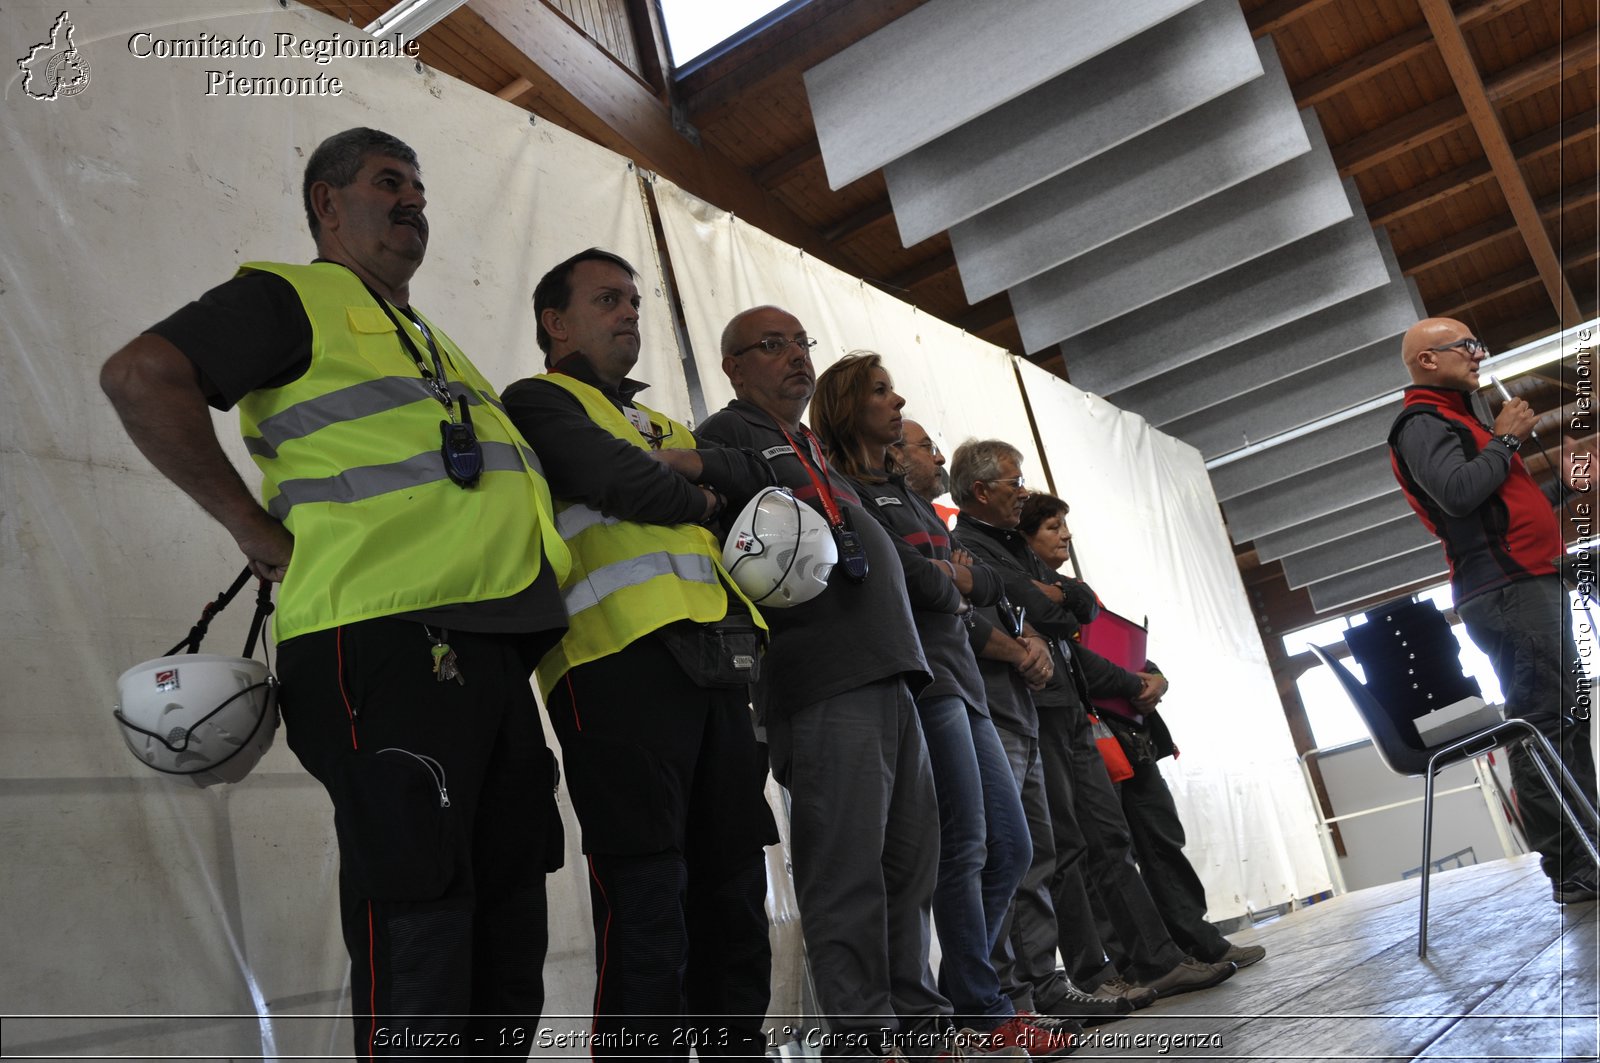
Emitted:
pixel 776 345
pixel 929 445
pixel 1015 481
pixel 1471 346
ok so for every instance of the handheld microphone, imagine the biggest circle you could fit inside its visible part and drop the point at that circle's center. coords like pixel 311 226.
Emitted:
pixel 1506 395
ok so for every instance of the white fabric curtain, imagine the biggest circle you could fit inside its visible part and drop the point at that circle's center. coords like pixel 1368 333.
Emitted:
pixel 956 385
pixel 130 896
pixel 1149 538
pixel 124 893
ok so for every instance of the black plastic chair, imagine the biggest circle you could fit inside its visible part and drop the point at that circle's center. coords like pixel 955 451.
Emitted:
pixel 1404 753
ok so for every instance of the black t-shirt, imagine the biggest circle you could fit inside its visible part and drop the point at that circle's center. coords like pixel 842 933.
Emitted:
pixel 246 334
pixel 252 332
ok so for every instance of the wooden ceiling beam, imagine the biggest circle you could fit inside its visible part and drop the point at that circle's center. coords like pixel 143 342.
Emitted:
pixel 1552 139
pixel 1497 147
pixel 1401 48
pixel 1404 134
pixel 771 174
pixel 1358 68
pixel 513 90
pixel 1270 18
pixel 988 313
pixel 1515 279
pixel 1580 194
pixel 1448 114
pixel 859 222
pixel 924 271
pixel 618 110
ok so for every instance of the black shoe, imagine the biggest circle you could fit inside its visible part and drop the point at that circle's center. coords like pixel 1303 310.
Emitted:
pixel 1076 1004
pixel 1190 975
pixel 1577 889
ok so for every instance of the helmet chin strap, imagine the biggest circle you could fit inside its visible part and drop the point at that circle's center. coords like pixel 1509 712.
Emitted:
pixel 198 631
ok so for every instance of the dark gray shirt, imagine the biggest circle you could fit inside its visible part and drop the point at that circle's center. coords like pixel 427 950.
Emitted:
pixel 852 633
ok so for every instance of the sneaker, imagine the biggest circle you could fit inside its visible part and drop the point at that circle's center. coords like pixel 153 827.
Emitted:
pixel 1190 975
pixel 1089 1007
pixel 1242 956
pixel 1037 1036
pixel 969 1044
pixel 1575 890
pixel 1137 996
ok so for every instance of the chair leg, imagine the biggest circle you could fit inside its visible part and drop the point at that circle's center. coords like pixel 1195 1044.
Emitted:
pixel 1545 758
pixel 1427 861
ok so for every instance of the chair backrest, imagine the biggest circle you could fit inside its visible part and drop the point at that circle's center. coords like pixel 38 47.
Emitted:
pixel 1403 753
pixel 1411 659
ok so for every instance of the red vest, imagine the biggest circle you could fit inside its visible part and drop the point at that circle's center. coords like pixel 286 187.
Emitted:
pixel 1512 535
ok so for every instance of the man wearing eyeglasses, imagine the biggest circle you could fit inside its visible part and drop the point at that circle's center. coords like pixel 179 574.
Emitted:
pixel 835 696
pixel 986 481
pixel 1468 483
pixel 647 692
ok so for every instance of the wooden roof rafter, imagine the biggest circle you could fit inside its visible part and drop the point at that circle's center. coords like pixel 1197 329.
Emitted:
pixel 1476 101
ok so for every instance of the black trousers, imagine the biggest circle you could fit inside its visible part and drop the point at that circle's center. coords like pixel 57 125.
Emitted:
pixel 667 781
pixel 1158 841
pixel 444 805
pixel 1093 840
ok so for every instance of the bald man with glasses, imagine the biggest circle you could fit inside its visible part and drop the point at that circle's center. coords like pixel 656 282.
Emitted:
pixel 1503 541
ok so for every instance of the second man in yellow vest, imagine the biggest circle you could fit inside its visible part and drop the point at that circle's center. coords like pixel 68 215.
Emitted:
pixel 647 691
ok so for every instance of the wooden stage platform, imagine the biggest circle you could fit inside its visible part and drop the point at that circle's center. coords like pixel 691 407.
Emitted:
pixel 1510 975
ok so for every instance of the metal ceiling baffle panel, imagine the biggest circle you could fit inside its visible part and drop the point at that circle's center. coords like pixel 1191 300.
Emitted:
pixel 1224 230
pixel 1171 68
pixel 951 61
pixel 1314 344
pixel 1231 139
pixel 1154 202
pixel 1389 506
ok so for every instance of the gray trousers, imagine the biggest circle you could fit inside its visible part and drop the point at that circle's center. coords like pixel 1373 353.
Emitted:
pixel 1525 629
pixel 864 836
pixel 1025 958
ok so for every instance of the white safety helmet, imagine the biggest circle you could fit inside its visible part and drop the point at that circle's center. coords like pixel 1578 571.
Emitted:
pixel 779 551
pixel 200 715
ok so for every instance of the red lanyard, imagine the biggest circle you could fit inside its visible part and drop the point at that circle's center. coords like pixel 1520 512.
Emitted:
pixel 824 490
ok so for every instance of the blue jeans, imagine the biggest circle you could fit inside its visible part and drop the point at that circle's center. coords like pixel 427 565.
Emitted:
pixel 983 851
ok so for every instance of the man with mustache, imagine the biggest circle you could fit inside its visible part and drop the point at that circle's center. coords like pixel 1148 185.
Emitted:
pixel 403 652
pixel 835 697
pixel 660 755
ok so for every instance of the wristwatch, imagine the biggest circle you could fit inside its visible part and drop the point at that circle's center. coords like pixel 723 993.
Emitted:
pixel 1509 441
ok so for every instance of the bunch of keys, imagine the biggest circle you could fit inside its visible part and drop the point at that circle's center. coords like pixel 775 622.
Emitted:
pixel 445 664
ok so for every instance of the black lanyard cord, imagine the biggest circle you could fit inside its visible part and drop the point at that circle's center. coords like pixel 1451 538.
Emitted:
pixel 437 380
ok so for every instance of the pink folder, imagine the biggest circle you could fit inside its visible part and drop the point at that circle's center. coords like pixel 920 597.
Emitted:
pixel 1120 641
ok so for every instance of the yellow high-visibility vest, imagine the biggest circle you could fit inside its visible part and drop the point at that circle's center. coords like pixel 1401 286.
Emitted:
pixel 350 457
pixel 630 578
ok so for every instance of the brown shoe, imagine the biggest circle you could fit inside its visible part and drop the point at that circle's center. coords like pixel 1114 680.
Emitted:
pixel 1137 996
pixel 1190 975
pixel 1242 956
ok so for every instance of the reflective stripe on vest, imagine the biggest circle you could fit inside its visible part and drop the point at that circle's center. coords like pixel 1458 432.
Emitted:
pixel 349 453
pixel 630 578
pixel 574 518
pixel 620 575
pixel 372 480
pixel 346 404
